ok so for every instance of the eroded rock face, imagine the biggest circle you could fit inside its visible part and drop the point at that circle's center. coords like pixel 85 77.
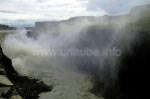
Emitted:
pixel 15 86
pixel 5 83
pixel 134 71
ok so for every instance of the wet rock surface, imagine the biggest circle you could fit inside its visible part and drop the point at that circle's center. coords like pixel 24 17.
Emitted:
pixel 5 81
pixel 134 71
pixel 27 88
pixel 16 97
pixel 19 87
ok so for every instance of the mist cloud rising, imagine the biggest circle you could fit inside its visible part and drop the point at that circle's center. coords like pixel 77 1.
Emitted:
pixel 19 47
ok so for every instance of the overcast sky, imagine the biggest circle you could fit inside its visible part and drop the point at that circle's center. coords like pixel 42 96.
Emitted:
pixel 29 11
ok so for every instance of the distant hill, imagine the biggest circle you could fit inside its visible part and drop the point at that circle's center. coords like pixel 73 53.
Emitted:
pixel 5 27
pixel 77 23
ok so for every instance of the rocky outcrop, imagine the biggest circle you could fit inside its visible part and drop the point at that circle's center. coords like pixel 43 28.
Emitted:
pixel 5 81
pixel 14 86
pixel 16 97
pixel 133 72
pixel 134 64
pixel 5 27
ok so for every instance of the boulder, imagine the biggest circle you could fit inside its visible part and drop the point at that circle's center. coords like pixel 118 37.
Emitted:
pixel 5 81
pixel 4 90
pixel 16 97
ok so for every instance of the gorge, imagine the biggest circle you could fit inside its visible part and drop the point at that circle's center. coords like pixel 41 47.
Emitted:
pixel 76 76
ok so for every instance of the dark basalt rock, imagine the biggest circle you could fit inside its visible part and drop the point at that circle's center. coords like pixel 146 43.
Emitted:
pixel 133 74
pixel 134 71
pixel 27 88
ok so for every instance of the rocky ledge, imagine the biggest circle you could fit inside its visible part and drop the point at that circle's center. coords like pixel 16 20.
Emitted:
pixel 14 86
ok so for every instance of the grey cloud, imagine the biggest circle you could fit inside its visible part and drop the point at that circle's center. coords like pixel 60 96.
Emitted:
pixel 42 1
pixel 114 7
pixel 47 10
pixel 4 11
